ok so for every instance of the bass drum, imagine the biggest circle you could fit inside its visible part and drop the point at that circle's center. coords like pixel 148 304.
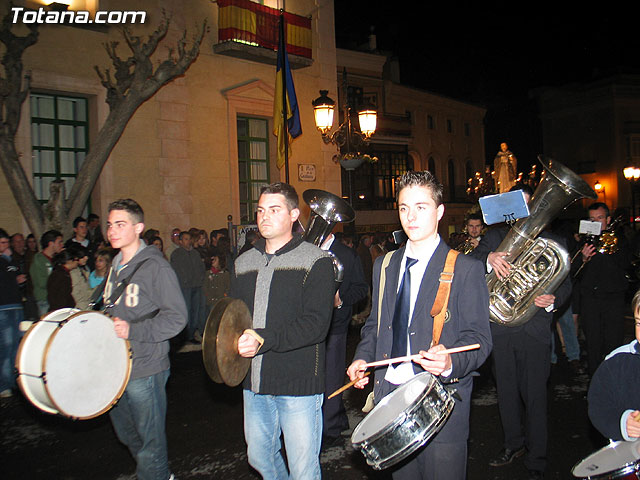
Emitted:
pixel 403 421
pixel 72 363
pixel 616 461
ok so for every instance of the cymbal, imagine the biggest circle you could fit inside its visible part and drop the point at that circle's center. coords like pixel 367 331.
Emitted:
pixel 209 349
pixel 228 319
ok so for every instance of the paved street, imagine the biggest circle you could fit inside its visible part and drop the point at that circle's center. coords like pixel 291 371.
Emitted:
pixel 206 436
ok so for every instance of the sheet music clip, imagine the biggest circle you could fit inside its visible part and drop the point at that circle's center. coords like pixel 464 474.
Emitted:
pixel 504 207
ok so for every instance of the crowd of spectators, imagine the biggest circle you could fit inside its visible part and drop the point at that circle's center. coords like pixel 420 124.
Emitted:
pixel 42 276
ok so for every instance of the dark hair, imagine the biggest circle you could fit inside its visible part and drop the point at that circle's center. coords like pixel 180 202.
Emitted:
pixel 93 216
pixel 597 205
pixel 66 255
pixel 150 234
pixel 289 193
pixel 524 187
pixel 48 237
pixel 224 245
pixel 79 251
pixel 31 236
pixel 251 235
pixel 4 234
pixel 152 240
pixel 78 220
pixel 420 179
pixel 130 206
pixel 182 234
pixel 222 260
pixel 474 216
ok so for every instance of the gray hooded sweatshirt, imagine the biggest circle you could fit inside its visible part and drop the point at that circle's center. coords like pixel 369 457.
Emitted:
pixel 153 305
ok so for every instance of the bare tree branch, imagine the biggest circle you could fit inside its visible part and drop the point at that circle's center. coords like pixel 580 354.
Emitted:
pixel 12 96
pixel 129 84
pixel 133 89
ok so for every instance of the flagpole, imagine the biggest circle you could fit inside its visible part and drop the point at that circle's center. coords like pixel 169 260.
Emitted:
pixel 283 45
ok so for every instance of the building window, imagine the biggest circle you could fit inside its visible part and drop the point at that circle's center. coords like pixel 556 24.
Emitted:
pixel 432 166
pixel 374 185
pixel 59 140
pixel 449 126
pixel 431 122
pixel 633 148
pixel 469 170
pixel 253 164
pixel 467 130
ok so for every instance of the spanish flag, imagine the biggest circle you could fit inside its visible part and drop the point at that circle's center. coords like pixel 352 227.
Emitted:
pixel 285 102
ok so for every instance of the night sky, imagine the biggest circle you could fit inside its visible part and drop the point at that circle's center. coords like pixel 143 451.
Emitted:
pixel 494 57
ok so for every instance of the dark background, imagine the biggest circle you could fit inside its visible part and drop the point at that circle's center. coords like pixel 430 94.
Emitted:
pixel 494 56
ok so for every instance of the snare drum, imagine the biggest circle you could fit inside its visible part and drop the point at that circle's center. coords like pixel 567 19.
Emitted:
pixel 72 363
pixel 403 421
pixel 618 460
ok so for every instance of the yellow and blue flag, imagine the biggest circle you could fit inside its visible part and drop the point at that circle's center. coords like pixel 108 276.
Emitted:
pixel 282 102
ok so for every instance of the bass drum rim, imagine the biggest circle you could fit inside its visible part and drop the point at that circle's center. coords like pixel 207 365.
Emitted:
pixel 62 317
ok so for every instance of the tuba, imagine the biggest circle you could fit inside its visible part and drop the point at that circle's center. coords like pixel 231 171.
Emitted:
pixel 327 209
pixel 538 265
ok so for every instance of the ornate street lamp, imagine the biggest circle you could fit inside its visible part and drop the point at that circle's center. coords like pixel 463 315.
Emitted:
pixel 347 137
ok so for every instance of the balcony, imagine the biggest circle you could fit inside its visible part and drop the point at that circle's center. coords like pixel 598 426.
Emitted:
pixel 249 31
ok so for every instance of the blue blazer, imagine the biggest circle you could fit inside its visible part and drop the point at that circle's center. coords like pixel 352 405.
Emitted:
pixel 468 323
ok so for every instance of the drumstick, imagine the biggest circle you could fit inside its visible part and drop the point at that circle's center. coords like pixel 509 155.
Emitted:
pixel 348 385
pixel 411 357
pixel 400 359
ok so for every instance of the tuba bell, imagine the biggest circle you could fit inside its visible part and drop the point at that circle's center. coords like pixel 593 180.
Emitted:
pixel 538 265
pixel 327 209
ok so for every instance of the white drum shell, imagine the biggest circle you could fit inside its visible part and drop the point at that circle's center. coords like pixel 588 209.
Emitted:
pixel 618 460
pixel 403 421
pixel 72 363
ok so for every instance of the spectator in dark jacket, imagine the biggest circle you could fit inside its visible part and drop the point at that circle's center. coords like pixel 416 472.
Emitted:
pixel 11 313
pixel 59 284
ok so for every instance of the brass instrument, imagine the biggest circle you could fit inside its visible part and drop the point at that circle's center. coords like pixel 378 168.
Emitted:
pixel 606 243
pixel 327 209
pixel 467 246
pixel 538 265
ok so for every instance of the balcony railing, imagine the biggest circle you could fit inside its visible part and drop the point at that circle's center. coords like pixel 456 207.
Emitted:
pixel 250 30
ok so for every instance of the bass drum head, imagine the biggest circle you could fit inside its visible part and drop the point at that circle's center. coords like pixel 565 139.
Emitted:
pixel 86 365
pixel 615 461
pixel 389 409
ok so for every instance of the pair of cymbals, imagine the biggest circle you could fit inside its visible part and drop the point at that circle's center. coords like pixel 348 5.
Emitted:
pixel 228 319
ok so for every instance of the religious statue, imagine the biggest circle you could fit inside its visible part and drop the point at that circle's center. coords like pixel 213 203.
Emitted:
pixel 505 166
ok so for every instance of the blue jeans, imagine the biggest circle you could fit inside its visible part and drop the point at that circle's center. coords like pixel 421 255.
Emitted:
pixel 299 419
pixel 9 340
pixel 195 301
pixel 43 308
pixel 139 421
pixel 570 336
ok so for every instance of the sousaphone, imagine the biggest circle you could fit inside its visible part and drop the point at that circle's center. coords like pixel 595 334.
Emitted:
pixel 327 209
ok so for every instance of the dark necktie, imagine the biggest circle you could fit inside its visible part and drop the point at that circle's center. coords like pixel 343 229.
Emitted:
pixel 401 312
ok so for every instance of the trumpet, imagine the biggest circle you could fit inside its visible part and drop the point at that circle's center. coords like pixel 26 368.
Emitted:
pixel 606 243
pixel 467 246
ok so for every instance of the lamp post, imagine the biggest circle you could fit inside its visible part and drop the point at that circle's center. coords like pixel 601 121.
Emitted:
pixel 347 137
pixel 632 174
